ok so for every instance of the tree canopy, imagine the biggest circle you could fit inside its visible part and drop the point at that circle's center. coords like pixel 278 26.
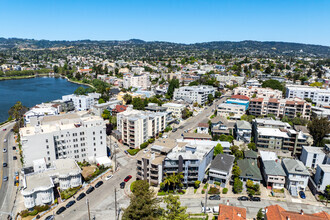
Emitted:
pixel 319 128
pixel 218 150
pixel 272 83
pixel 174 211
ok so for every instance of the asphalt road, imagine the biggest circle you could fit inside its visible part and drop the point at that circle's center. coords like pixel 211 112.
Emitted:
pixel 7 188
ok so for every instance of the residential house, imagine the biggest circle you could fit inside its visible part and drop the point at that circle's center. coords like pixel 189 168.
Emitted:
pixel 249 170
pixel 220 169
pixel 203 128
pixel 312 156
pixel 227 212
pixel 322 176
pixel 242 131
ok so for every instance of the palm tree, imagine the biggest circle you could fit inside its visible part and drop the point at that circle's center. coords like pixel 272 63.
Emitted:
pixel 168 181
pixel 177 179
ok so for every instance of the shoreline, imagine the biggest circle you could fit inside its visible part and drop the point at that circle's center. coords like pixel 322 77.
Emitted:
pixel 80 83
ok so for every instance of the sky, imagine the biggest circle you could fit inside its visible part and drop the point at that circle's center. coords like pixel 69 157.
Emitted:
pixel 180 21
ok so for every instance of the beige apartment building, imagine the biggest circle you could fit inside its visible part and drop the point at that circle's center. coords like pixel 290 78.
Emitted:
pixel 258 92
pixel 291 108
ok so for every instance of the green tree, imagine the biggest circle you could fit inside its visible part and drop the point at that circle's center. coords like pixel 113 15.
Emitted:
pixel 217 150
pixel 210 98
pixel 238 186
pixel 319 128
pixel 101 101
pixel 236 171
pixel 174 210
pixel 106 114
pixel 327 193
pixel 174 83
pixel 138 103
pixel 260 215
pixel 274 84
pixel 252 146
pixel 127 98
pixel 143 203
pixel 80 91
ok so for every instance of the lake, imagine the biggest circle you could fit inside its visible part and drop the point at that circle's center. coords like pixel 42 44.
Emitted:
pixel 32 91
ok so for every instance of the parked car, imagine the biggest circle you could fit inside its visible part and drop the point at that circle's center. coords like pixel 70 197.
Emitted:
pixel 4 164
pixel 98 184
pixel 51 217
pixel 243 198
pixel 14 148
pixel 5 178
pixel 5 140
pixel 302 194
pixel 145 150
pixel 90 189
pixel 82 195
pixel 126 152
pixel 4 150
pixel 208 210
pixel 71 203
pixel 60 210
pixel 16 173
pixel 256 199
pixel 5 129
pixel 122 185
pixel 108 177
pixel 214 197
pixel 127 178
pixel 14 158
pixel 174 129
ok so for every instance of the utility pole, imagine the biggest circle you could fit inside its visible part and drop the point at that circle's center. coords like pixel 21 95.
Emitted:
pixel 205 201
pixel 115 205
pixel 89 214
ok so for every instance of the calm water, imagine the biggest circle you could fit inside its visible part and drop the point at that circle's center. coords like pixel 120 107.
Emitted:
pixel 32 91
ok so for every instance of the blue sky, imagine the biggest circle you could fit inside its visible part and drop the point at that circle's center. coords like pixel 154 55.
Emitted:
pixel 175 21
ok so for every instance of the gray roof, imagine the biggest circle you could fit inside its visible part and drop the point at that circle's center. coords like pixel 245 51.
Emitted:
pixel 243 125
pixel 250 154
pixel 249 169
pixel 273 168
pixel 294 166
pixel 222 162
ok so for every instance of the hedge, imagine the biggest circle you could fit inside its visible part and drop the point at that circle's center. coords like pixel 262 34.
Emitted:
pixel 224 190
pixel 132 152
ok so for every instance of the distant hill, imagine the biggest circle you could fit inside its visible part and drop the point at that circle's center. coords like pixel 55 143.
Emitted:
pixel 156 48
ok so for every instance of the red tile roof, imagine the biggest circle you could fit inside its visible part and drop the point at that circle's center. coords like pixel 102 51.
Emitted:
pixel 257 100
pixel 273 100
pixel 240 97
pixel 120 108
pixel 276 212
pixel 204 125
pixel 227 212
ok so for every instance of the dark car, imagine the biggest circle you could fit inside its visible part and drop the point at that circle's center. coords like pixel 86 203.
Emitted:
pixel 4 164
pixel 14 158
pixel 243 198
pixel 302 194
pixel 126 152
pixel 174 129
pixel 98 184
pixel 255 199
pixel 82 195
pixel 90 189
pixel 14 148
pixel 51 217
pixel 5 178
pixel 70 204
pixel 214 197
pixel 60 210
pixel 127 178
pixel 122 185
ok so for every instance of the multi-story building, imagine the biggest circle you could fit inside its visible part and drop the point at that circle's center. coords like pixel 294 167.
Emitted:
pixel 136 81
pixel 79 136
pixel 296 175
pixel 38 185
pixel 272 170
pixel 291 108
pixel 175 108
pixel 230 79
pixel 242 131
pixel 191 160
pixel 252 83
pixel 194 94
pixel 312 156
pixel 232 110
pixel 220 169
pixel 321 112
pixel 258 92
pixel 82 102
pixel 137 127
pixel 321 97
pixel 322 176
pixel 239 100
pixel 38 112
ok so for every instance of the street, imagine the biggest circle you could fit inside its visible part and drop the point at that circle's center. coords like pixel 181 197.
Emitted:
pixel 7 188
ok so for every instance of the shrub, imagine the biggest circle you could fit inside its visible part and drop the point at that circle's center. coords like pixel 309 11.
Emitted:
pixel 33 213
pixel 217 183
pixel 41 208
pixel 181 191
pixel 144 145
pixel 132 152
pixel 161 193
pixel 224 190
pixel 205 186
pixel 214 190
pixel 55 201
pixel 197 183
pixel 151 140
pixel 195 190
pixel 203 191
pixel 238 185
pixel 24 213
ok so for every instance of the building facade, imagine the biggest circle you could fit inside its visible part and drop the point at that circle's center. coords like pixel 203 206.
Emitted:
pixel 321 97
pixel 136 81
pixel 258 92
pixel 194 94
pixel 82 102
pixel 175 108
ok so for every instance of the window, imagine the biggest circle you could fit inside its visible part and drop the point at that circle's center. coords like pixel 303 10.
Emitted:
pixel 47 146
pixel 101 142
pixel 93 132
pixel 100 132
pixel 94 149
pixel 93 138
pixel 46 140
pixel 94 144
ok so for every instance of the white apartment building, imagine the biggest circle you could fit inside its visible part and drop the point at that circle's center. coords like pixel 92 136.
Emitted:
pixel 229 79
pixel 322 176
pixel 82 102
pixel 175 108
pixel 321 97
pixel 137 127
pixel 136 81
pixel 258 92
pixel 252 83
pixel 296 175
pixel 312 156
pixel 38 112
pixel 38 186
pixel 194 94
pixel 225 109
pixel 79 136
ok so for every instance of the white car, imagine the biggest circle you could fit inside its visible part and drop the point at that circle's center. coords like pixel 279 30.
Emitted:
pixel 4 150
pixel 108 177
pixel 145 150
pixel 208 210
pixel 5 140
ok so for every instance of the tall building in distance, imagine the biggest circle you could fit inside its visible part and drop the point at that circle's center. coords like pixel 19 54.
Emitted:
pixel 194 94
pixel 321 97
pixel 136 81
